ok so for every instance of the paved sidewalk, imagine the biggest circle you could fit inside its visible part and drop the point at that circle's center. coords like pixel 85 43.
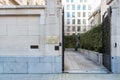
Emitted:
pixel 76 62
pixel 59 76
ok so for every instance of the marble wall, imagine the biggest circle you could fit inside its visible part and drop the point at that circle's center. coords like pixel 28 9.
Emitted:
pixel 25 26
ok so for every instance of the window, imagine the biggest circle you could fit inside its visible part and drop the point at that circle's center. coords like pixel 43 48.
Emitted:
pixel 84 14
pixel 78 28
pixel 84 7
pixel 68 29
pixel 73 14
pixel 67 0
pixel 72 0
pixel 68 21
pixel 84 30
pixel 85 0
pixel 78 14
pixel 68 14
pixel 68 7
pixel 73 7
pixel 78 21
pixel 73 34
pixel 89 7
pixel 89 14
pixel 84 21
pixel 68 34
pixel 81 0
pixel 73 21
pixel 78 7
pixel 73 28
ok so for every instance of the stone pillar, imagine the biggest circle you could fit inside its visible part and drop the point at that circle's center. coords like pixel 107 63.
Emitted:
pixel 53 26
pixel 115 38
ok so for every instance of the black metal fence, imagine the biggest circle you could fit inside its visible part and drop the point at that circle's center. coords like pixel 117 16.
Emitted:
pixel 106 38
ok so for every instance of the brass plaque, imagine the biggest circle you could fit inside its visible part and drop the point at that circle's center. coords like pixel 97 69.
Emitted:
pixel 52 40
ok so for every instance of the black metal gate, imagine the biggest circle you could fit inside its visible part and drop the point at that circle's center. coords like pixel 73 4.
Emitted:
pixel 106 38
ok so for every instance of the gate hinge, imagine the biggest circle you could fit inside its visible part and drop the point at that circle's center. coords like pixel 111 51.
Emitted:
pixel 111 10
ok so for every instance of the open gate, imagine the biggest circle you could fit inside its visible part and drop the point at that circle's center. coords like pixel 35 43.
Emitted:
pixel 106 38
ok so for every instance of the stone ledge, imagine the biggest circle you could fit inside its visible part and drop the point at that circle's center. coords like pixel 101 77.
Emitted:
pixel 23 7
pixel 94 56
pixel 42 59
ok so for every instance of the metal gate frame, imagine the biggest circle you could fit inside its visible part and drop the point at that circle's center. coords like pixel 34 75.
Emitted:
pixel 106 38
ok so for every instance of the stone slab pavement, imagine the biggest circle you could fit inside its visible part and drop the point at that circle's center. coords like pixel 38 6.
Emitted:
pixel 60 76
pixel 76 62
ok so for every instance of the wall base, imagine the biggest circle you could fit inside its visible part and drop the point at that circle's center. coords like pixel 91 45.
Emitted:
pixel 30 65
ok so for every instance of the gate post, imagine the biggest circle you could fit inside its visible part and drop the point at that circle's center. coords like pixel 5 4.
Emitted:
pixel 115 39
pixel 53 32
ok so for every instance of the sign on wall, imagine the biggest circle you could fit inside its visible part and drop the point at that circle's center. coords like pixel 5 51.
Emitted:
pixel 52 40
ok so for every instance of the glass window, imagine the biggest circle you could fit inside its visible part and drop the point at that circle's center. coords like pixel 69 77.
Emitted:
pixel 85 0
pixel 84 14
pixel 68 7
pixel 73 7
pixel 73 14
pixel 84 21
pixel 73 28
pixel 78 21
pixel 72 0
pixel 73 21
pixel 68 29
pixel 78 28
pixel 68 34
pixel 68 21
pixel 84 30
pixel 84 7
pixel 68 14
pixel 67 0
pixel 78 14
pixel 81 0
pixel 89 7
pixel 78 7
pixel 73 34
pixel 89 14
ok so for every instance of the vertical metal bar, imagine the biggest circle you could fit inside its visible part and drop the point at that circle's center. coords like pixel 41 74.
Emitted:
pixel 63 60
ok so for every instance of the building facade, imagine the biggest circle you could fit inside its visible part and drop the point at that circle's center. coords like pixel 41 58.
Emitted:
pixel 95 18
pixel 76 14
pixel 30 37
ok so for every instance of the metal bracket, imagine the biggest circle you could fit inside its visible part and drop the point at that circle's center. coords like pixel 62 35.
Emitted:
pixel 115 45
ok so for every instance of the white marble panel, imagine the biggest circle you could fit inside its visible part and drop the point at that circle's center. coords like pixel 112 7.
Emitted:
pixel 40 68
pixel 15 67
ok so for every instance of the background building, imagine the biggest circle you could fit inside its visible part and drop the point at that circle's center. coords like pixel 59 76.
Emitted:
pixel 95 18
pixel 105 4
pixel 76 14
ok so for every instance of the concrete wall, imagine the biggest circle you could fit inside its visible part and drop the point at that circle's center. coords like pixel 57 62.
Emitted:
pixel 94 56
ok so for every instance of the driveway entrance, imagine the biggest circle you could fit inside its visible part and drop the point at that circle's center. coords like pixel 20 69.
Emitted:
pixel 76 62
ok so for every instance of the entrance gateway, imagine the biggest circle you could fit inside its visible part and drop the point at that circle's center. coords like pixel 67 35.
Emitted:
pixel 30 38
